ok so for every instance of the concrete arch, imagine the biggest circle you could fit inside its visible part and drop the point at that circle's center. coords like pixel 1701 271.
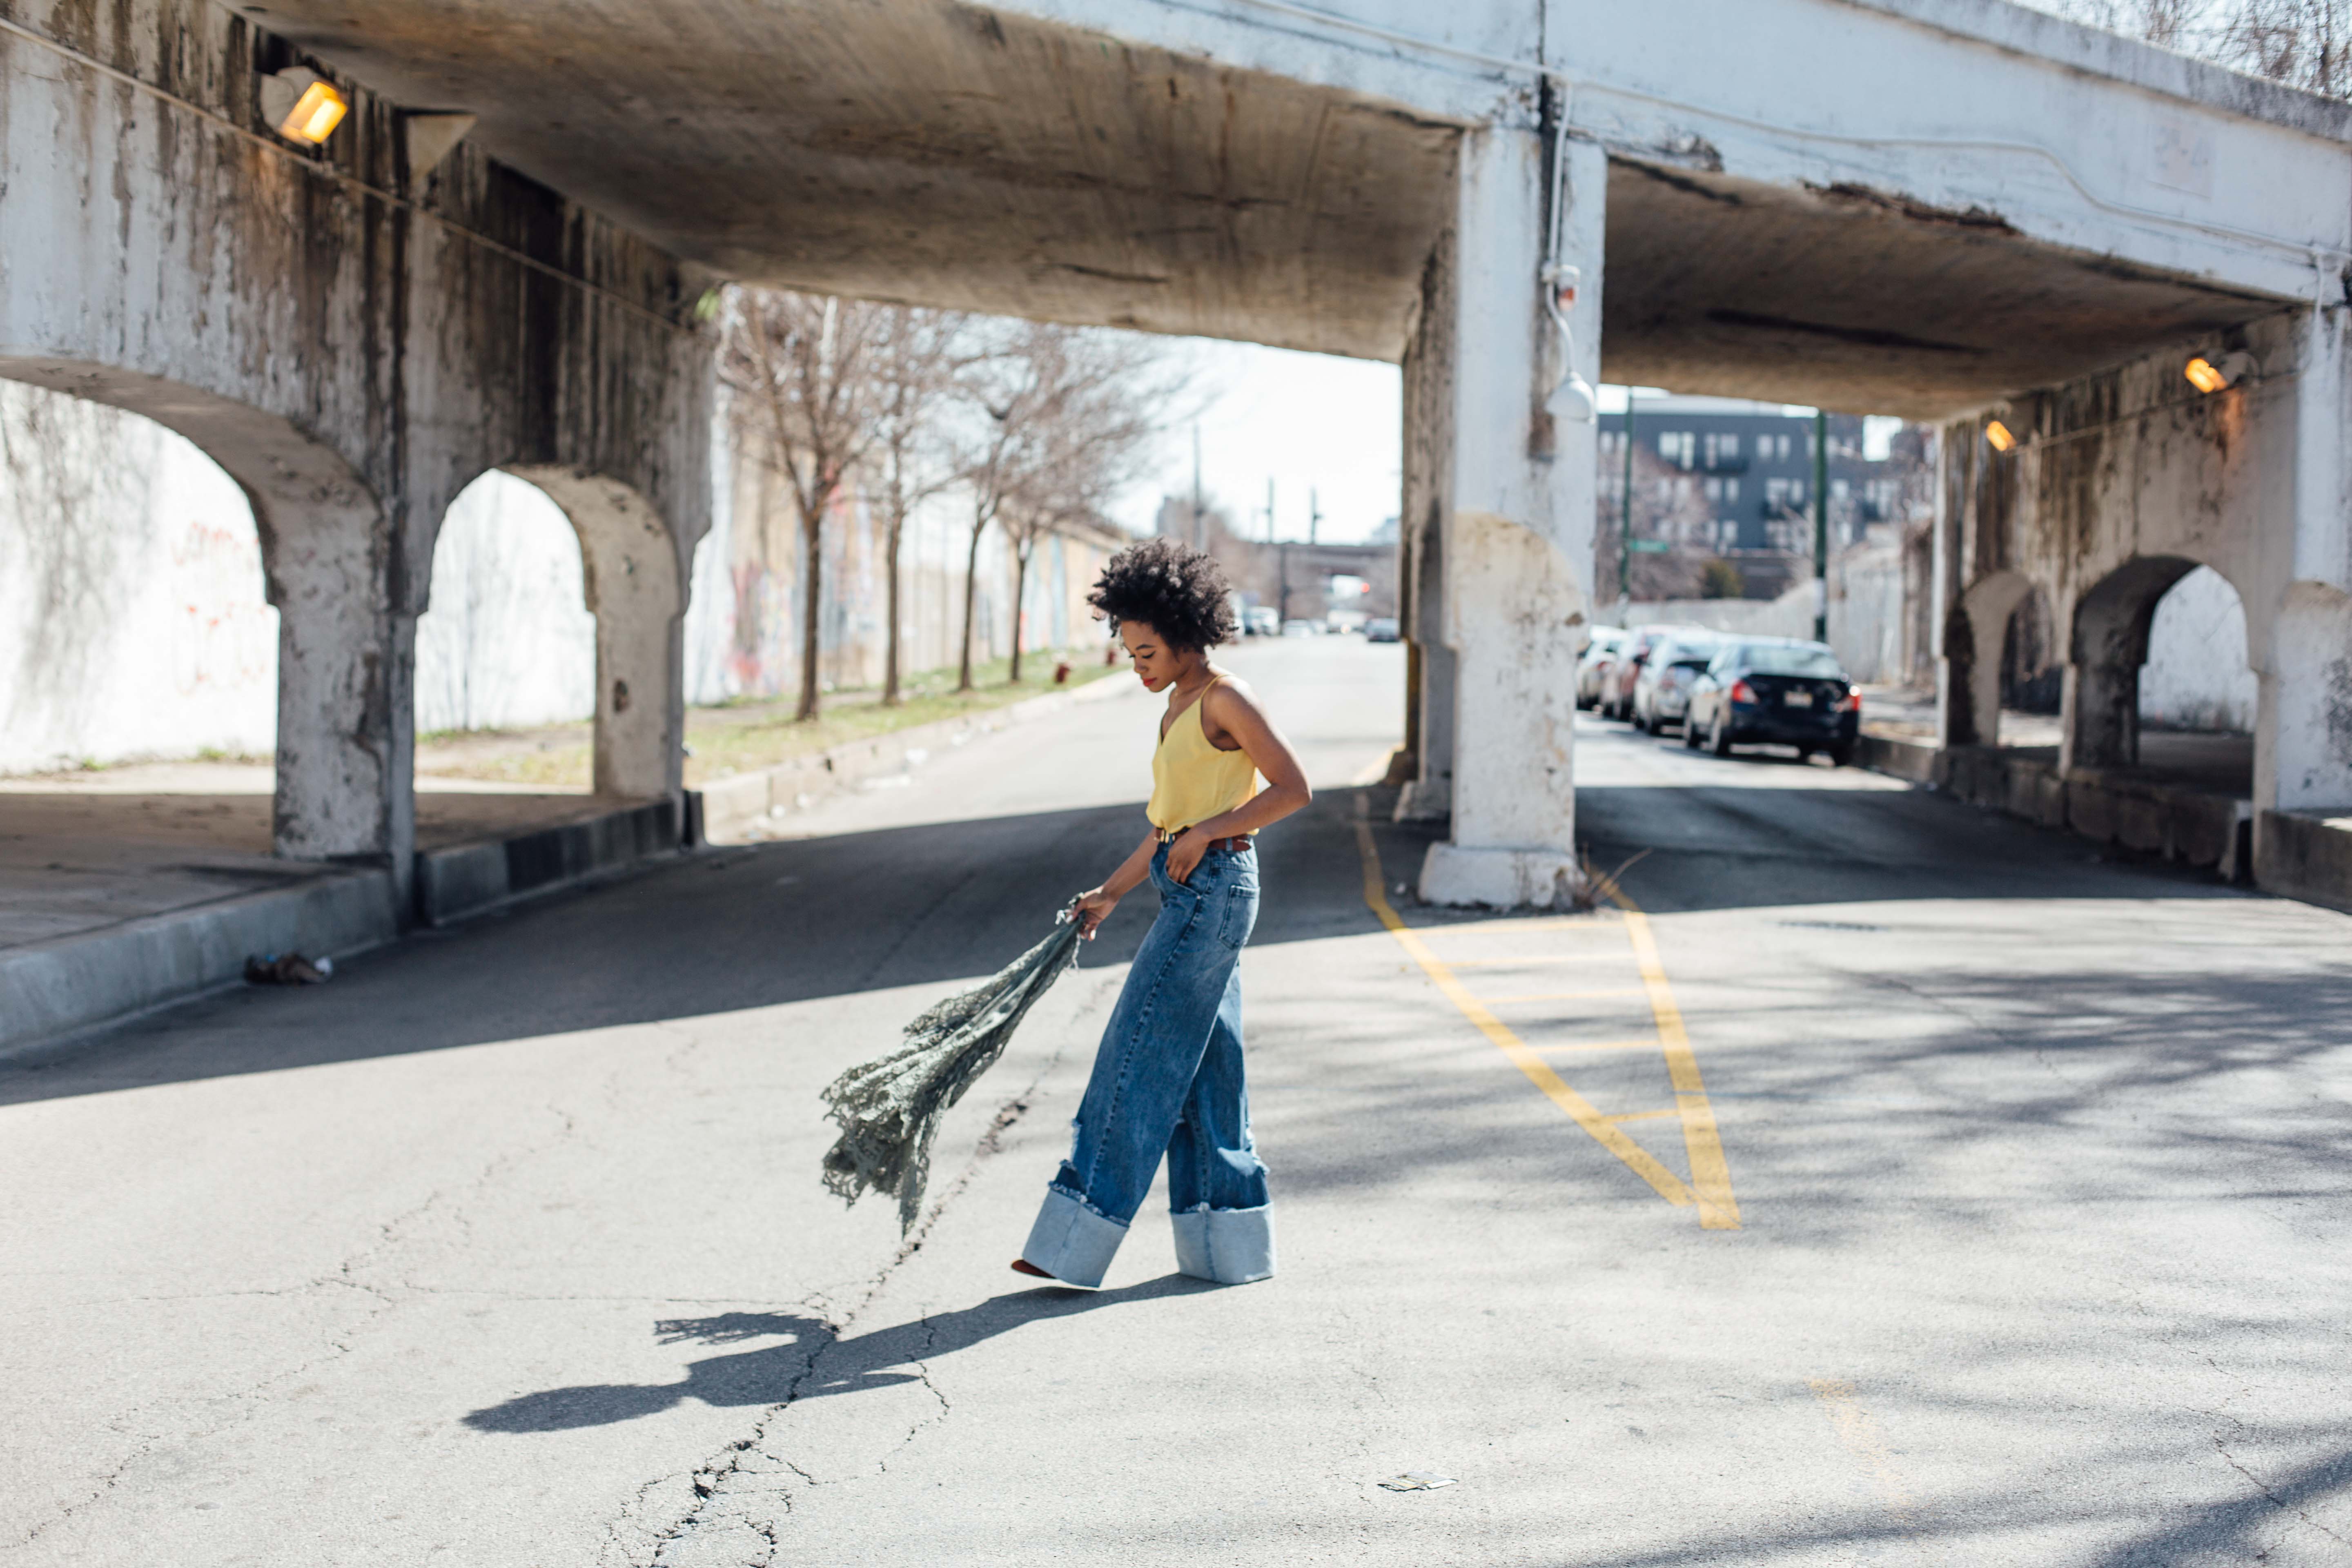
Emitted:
pixel 630 560
pixel 2106 647
pixel 1972 649
pixel 344 744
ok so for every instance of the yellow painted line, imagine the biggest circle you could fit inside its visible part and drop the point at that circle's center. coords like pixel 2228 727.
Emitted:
pixel 1585 925
pixel 1647 1115
pixel 1710 1177
pixel 1570 996
pixel 1861 1437
pixel 1579 1110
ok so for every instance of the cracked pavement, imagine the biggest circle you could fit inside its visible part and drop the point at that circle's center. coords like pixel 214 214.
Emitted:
pixel 507 1249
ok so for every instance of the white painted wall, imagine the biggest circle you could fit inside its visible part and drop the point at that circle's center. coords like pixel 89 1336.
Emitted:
pixel 133 620
pixel 507 641
pixel 2196 677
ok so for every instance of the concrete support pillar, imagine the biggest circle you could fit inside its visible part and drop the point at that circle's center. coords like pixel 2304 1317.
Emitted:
pixel 1952 637
pixel 1428 796
pixel 2303 737
pixel 631 565
pixel 346 664
pixel 1513 482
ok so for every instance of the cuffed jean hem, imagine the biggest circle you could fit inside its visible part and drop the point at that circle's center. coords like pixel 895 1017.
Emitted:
pixel 1072 1242
pixel 1232 1246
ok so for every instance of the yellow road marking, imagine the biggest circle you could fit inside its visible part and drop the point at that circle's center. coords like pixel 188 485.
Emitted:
pixel 1570 995
pixel 1583 926
pixel 1581 1111
pixel 1860 1433
pixel 1647 1115
pixel 1711 1178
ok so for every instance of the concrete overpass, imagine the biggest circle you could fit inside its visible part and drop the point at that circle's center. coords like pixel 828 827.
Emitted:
pixel 1957 210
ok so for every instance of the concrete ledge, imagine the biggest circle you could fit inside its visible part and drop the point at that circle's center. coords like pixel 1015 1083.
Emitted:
pixel 467 879
pixel 2197 828
pixel 736 803
pixel 1499 879
pixel 75 983
pixel 2307 854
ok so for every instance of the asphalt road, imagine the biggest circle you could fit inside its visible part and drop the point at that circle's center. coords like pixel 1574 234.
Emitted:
pixel 1891 1182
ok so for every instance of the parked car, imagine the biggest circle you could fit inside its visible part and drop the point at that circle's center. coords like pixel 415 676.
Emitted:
pixel 1381 628
pixel 1778 691
pixel 1662 691
pixel 1296 628
pixel 1261 621
pixel 1617 690
pixel 1592 666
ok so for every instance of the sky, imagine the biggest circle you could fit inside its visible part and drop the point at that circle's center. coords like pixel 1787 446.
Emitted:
pixel 1319 426
pixel 1309 422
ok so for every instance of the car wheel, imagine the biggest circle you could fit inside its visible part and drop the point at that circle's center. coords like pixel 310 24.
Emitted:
pixel 1720 739
pixel 1841 756
pixel 1640 722
pixel 1690 736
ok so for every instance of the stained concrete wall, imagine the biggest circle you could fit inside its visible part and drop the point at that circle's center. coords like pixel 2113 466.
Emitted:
pixel 2122 487
pixel 133 620
pixel 353 342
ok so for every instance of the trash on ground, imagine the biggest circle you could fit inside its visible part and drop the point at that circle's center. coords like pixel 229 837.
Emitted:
pixel 1417 1481
pixel 288 969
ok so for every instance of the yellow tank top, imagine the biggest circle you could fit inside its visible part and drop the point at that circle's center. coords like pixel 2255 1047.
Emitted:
pixel 1191 781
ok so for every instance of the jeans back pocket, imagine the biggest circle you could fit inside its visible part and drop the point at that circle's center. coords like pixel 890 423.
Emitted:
pixel 1239 916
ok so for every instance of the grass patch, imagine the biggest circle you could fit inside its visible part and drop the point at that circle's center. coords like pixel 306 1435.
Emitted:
pixel 745 734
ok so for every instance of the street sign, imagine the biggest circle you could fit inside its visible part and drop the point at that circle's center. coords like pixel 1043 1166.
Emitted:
pixel 1647 546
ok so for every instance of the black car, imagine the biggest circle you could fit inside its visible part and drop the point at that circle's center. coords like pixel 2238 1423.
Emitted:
pixel 1775 690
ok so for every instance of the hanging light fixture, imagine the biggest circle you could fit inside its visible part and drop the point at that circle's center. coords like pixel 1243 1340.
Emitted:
pixel 2220 374
pixel 1998 434
pixel 302 106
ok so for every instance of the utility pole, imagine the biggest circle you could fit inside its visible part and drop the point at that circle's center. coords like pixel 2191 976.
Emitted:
pixel 1269 509
pixel 1314 515
pixel 1199 541
pixel 1625 512
pixel 1821 526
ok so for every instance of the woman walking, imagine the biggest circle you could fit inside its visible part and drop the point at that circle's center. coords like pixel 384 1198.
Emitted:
pixel 1168 1076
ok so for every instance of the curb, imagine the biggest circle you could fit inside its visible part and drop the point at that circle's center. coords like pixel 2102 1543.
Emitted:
pixel 69 984
pixel 733 804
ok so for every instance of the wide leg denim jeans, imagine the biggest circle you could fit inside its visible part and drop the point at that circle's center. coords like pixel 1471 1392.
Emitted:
pixel 1168 1078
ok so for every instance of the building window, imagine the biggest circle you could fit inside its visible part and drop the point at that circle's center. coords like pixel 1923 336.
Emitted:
pixel 1722 448
pixel 1679 447
pixel 1713 490
pixel 1731 488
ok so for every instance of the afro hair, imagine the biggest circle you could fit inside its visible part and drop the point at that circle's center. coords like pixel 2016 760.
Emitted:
pixel 1178 592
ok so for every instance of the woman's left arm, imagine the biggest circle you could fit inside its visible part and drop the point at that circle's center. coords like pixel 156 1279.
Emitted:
pixel 1237 713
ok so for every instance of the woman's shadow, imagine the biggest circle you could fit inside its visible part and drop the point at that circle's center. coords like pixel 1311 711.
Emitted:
pixel 814 1361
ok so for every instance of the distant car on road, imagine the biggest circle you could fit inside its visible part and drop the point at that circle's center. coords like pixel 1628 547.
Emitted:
pixel 1261 621
pixel 1381 628
pixel 1592 666
pixel 1617 689
pixel 1662 691
pixel 1775 691
pixel 1302 628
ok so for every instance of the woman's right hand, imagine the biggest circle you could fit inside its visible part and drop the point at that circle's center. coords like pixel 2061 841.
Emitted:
pixel 1094 906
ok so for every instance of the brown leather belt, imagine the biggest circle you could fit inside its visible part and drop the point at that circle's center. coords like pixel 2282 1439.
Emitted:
pixel 1236 844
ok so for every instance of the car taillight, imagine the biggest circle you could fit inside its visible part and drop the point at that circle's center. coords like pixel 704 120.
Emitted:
pixel 1742 692
pixel 1852 703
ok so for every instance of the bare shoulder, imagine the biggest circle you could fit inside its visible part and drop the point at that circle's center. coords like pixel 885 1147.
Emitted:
pixel 1231 694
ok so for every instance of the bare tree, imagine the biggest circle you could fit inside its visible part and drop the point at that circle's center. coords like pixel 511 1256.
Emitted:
pixel 805 363
pixel 2304 43
pixel 1084 447
pixel 1046 401
pixel 918 355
